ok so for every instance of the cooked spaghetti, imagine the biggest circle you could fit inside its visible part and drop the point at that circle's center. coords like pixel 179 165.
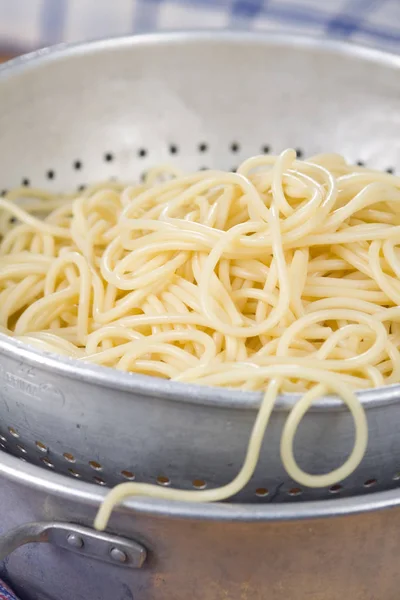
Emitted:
pixel 282 277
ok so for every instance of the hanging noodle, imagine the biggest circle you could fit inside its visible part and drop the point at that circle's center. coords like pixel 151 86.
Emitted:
pixel 283 276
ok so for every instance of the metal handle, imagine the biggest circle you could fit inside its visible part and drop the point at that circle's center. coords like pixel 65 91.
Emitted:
pixel 101 546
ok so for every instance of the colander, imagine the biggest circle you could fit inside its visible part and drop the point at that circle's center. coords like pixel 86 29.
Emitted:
pixel 112 109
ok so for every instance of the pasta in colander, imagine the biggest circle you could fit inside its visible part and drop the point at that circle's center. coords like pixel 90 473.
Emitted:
pixel 283 276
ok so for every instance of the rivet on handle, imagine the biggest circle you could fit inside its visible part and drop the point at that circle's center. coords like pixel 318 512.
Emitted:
pixel 75 541
pixel 118 555
pixel 87 542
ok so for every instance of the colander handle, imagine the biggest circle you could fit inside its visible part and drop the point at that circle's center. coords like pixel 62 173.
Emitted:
pixel 82 540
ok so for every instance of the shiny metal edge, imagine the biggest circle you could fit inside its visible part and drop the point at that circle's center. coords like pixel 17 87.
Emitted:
pixel 280 37
pixel 64 487
pixel 177 391
pixel 146 385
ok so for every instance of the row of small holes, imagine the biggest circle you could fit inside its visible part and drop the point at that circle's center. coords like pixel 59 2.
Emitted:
pixel 203 147
pixel 162 480
pixel 200 484
pixel 51 174
pixel 263 492
pixel 334 489
pixel 174 149
pixel 142 153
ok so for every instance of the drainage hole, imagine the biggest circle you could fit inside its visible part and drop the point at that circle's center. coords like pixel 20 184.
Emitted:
pixel 74 473
pixel 161 480
pixel 95 465
pixel 296 491
pixel 99 480
pixel 262 492
pixel 40 446
pixel 128 475
pixel 69 457
pixel 335 489
pixel 199 484
pixel 370 483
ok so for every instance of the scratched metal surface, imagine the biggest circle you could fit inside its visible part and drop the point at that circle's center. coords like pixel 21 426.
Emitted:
pixel 213 552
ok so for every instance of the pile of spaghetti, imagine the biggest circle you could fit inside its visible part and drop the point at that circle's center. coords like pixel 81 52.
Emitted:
pixel 282 277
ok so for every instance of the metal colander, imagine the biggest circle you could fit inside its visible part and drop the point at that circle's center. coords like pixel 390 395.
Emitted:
pixel 113 109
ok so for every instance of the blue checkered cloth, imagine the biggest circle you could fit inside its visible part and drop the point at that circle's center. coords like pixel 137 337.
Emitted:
pixel 28 24
pixel 6 593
